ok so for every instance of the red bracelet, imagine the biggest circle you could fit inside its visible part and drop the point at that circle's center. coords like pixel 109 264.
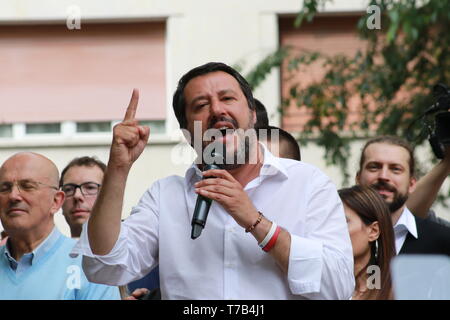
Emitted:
pixel 272 240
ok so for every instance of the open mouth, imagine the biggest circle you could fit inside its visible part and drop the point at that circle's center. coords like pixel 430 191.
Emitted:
pixel 225 130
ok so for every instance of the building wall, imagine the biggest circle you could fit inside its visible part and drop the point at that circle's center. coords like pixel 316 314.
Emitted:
pixel 50 73
pixel 197 31
pixel 330 35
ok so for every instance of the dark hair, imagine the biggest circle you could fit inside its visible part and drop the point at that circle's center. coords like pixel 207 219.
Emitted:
pixel 396 141
pixel 370 207
pixel 262 120
pixel 293 151
pixel 82 162
pixel 179 102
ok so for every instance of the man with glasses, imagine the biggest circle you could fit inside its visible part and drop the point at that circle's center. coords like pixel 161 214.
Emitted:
pixel 80 180
pixel 35 262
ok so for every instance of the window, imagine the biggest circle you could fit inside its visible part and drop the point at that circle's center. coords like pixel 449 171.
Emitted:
pixel 333 34
pixel 6 131
pixel 94 126
pixel 94 70
pixel 156 126
pixel 42 128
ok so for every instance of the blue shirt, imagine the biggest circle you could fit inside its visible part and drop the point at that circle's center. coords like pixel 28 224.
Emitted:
pixel 27 259
pixel 49 273
pixel 150 281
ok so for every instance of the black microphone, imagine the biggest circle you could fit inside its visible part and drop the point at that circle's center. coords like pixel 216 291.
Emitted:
pixel 203 204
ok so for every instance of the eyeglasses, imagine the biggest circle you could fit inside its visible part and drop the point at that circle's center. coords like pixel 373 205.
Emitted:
pixel 87 188
pixel 25 185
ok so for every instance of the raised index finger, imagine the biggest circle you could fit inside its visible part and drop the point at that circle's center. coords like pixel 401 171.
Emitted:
pixel 132 106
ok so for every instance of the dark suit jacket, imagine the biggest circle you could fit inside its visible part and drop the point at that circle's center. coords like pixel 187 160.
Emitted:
pixel 432 238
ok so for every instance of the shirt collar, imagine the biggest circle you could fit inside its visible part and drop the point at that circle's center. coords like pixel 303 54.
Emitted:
pixel 271 166
pixel 408 222
pixel 39 251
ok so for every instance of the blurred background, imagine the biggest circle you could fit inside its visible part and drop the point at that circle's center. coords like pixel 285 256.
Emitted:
pixel 325 70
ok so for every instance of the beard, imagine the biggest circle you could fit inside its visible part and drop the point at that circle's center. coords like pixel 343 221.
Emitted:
pixel 228 157
pixel 239 153
pixel 398 200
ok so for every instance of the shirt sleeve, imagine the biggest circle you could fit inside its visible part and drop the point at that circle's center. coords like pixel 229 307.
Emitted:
pixel 135 251
pixel 321 261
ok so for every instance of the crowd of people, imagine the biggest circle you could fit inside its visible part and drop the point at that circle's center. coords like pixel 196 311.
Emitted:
pixel 277 228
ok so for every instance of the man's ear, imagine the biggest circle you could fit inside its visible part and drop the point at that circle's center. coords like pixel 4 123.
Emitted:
pixel 412 184
pixel 58 201
pixel 374 231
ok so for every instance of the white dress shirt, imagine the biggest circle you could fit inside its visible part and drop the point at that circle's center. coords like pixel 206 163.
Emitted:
pixel 405 224
pixel 225 262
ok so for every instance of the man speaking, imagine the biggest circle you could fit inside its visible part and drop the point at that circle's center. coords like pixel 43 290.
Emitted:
pixel 276 227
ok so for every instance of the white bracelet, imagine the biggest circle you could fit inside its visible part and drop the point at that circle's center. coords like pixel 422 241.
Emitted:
pixel 269 235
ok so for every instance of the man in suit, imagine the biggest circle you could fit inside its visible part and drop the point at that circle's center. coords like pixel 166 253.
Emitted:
pixel 387 164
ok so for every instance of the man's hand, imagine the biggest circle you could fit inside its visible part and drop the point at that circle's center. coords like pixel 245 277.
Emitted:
pixel 231 195
pixel 138 293
pixel 129 139
pixel 227 191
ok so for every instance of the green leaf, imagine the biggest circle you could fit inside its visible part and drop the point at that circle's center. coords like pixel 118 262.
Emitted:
pixel 392 77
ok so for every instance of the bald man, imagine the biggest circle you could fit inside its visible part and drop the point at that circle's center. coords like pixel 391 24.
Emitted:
pixel 35 262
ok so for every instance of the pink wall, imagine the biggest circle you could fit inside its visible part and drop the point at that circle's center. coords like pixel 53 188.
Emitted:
pixel 329 35
pixel 49 73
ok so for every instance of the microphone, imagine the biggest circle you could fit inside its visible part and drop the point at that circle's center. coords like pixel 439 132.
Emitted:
pixel 203 204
